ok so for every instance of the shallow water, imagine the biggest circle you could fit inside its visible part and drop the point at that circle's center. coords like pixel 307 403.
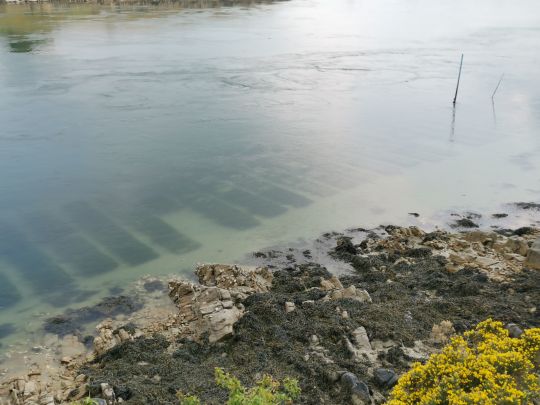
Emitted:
pixel 141 139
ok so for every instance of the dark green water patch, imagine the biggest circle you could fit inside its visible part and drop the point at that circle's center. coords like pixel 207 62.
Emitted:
pixel 9 295
pixel 111 236
pixel 253 203
pixel 83 256
pixel 161 233
pixel 24 45
pixel 223 213
pixel 155 285
pixel 73 321
pixel 159 204
pixel 44 227
pixel 60 238
pixel 6 329
pixel 274 193
pixel 34 265
pixel 65 298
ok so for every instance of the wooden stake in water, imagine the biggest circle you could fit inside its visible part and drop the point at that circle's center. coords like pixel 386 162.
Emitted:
pixel 497 88
pixel 459 76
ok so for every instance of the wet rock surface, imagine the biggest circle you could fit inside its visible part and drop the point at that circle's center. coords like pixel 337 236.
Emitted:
pixel 528 205
pixel 347 338
pixel 464 223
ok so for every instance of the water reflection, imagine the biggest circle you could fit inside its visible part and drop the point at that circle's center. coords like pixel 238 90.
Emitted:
pixel 453 124
pixel 19 22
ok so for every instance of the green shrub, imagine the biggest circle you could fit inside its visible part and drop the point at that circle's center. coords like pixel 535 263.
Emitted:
pixel 267 391
pixel 85 401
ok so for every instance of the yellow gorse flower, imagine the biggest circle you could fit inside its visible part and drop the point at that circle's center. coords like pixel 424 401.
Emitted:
pixel 484 366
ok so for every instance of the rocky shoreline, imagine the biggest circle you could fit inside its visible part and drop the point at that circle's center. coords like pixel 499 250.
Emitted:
pixel 346 338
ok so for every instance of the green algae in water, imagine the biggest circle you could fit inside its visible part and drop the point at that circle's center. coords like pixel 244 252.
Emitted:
pixel 37 268
pixel 62 241
pixel 9 295
pixel 161 233
pixel 253 203
pixel 111 236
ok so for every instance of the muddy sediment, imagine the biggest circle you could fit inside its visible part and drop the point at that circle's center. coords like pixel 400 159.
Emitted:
pixel 346 339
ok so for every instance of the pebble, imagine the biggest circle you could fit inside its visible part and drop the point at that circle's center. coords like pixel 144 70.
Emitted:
pixel 80 378
pixel 124 335
pixel 513 330
pixel 20 384
pixel 46 399
pixel 289 306
pixel 385 377
pixel 30 388
pixel 358 390
pixel 107 392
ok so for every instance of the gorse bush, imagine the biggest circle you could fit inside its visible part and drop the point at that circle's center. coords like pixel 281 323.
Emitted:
pixel 267 391
pixel 484 366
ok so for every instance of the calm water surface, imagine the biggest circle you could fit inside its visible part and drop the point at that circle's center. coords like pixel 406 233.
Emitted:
pixel 141 140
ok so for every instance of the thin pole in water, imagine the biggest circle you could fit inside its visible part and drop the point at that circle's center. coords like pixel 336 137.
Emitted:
pixel 497 88
pixel 459 76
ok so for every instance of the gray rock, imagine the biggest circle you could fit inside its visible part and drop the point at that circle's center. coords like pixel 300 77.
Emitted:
pixel 360 347
pixel 513 330
pixel 518 245
pixel 289 306
pixel 361 339
pixel 20 384
pixel 351 292
pixel 124 335
pixel 81 378
pixel 14 397
pixel 358 390
pixel 46 399
pixel 108 393
pixel 385 377
pixel 209 308
pixel 533 256
pixel 30 388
